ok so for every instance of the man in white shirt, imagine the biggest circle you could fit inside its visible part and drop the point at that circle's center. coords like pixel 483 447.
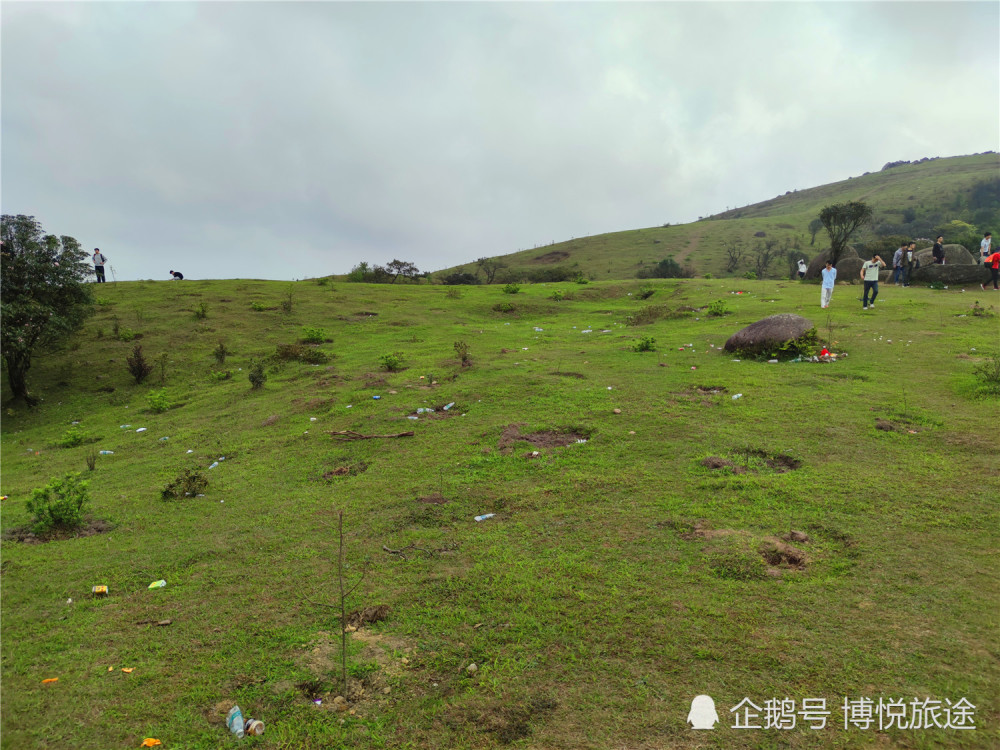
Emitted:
pixel 99 261
pixel 984 247
pixel 869 272
pixel 829 277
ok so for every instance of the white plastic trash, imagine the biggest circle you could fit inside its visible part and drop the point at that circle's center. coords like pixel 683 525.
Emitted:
pixel 214 464
pixel 141 429
pixel 484 517
pixel 738 395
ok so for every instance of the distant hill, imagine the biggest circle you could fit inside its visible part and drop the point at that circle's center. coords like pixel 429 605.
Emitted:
pixel 957 196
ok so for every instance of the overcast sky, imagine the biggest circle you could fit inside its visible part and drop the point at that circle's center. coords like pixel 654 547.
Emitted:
pixel 288 140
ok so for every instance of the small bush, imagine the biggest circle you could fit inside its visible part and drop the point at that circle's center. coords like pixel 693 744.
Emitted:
pixel 987 375
pixel 511 288
pixel 652 313
pixel 750 275
pixel 718 308
pixel 74 436
pixel 582 280
pixel 462 350
pixel 187 484
pixel 453 294
pixel 468 279
pixel 558 295
pixel 708 276
pixel 645 344
pixel 313 335
pixel 125 334
pixel 286 303
pixel 503 307
pixel 60 504
pixel 201 311
pixel 220 375
pixel 301 353
pixel 391 362
pixel 91 460
pixel 256 374
pixel 936 285
pixel 258 306
pixel 221 352
pixel 138 366
pixel 115 326
pixel 979 311
pixel 158 401
pixel 103 301
pixel 646 293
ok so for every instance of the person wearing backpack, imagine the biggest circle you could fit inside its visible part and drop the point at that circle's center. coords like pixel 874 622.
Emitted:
pixel 99 261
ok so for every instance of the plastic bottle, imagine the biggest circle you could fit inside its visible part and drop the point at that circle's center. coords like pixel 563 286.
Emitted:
pixel 484 517
pixel 107 453
pixel 214 464
pixel 234 720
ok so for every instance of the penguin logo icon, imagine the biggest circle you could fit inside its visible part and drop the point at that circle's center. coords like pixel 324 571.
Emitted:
pixel 702 714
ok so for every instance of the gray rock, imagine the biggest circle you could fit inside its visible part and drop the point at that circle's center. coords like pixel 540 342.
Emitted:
pixel 764 334
pixel 954 255
pixel 818 263
pixel 951 275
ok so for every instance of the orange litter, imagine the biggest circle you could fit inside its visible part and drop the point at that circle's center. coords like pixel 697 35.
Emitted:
pixel 111 669
pixel 50 679
pixel 128 670
pixel 150 742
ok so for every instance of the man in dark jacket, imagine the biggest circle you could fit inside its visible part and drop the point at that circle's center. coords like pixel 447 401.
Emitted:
pixel 938 251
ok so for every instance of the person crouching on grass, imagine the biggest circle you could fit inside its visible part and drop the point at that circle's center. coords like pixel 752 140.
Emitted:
pixel 869 273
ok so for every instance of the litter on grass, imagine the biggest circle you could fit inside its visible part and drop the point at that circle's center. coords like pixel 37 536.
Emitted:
pixel 158 584
pixel 140 429
pixel 484 517
pixel 50 680
pixel 214 464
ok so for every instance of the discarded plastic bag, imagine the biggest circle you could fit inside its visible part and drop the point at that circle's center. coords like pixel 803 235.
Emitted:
pixel 484 517
pixel 158 584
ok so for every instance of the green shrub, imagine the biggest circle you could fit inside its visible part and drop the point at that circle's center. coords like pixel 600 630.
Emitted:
pixel 582 280
pixel 221 352
pixel 503 307
pixel 301 353
pixel 453 294
pixel 645 344
pixel 391 362
pixel 708 276
pixel 256 374
pixel 91 460
pixel 60 504
pixel 936 285
pixel 313 335
pixel 511 288
pixel 717 309
pixel 220 375
pixel 103 301
pixel 125 334
pixel 750 275
pixel 187 484
pixel 158 401
pixel 558 295
pixel 646 293
pixel 201 311
pixel 286 303
pixel 74 436
pixel 652 313
pixel 462 350
pixel 258 306
pixel 987 375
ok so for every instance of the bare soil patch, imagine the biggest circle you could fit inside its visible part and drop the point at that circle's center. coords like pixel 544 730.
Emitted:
pixel 273 419
pixel 345 471
pixel 714 462
pixel 435 498
pixel 361 617
pixel 543 439
pixel 92 527
pixel 577 375
pixel 749 460
pixel 553 257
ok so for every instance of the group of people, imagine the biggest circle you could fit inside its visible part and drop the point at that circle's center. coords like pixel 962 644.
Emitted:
pixel 99 260
pixel 904 261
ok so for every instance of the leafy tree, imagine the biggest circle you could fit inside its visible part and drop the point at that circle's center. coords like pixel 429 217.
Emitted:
pixel 668 268
pixel 734 253
pixel 44 297
pixel 762 255
pixel 489 267
pixel 841 221
pixel 397 268
pixel 814 226
pixel 460 278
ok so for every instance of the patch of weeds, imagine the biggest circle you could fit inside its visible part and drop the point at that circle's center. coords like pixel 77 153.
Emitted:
pixel 187 484
pixel 718 308
pixel 158 401
pixel 301 353
pixel 581 280
pixel 646 293
pixel 201 311
pixel 978 311
pixel 361 671
pixel 392 362
pixel 257 306
pixel 103 301
pixel 219 375
pixel 558 295
pixel 91 459
pixel 256 375
pixel 74 436
pixel 734 560
pixel 503 307
pixel 453 293
pixel 645 344
pixel 987 375
pixel 936 285
pixel 511 288
pixel 60 504
pixel 652 313
pixel 313 335
pixel 750 275
pixel 805 345
pixel 286 303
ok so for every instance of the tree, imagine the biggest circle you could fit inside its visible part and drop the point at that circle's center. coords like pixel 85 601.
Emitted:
pixel 841 221
pixel 814 226
pixel 762 255
pixel 489 267
pixel 734 254
pixel 397 268
pixel 44 297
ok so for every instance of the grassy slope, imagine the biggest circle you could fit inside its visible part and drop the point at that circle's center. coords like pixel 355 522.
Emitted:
pixel 593 618
pixel 618 255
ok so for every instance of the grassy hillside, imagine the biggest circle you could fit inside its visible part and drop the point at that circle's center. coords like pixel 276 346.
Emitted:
pixel 936 191
pixel 620 576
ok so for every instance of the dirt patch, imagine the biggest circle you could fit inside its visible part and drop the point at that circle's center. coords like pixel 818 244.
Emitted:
pixel 273 419
pixel 365 314
pixel 345 471
pixel 543 439
pixel 710 389
pixel 553 257
pixel 778 554
pixel 433 499
pixel 92 527
pixel 374 380
pixel 361 617
pixel 897 425
pixel 700 530
pixel 577 375
pixel 323 661
pixel 510 723
pixel 714 462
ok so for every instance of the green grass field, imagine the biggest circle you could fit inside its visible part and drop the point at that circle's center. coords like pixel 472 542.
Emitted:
pixel 618 578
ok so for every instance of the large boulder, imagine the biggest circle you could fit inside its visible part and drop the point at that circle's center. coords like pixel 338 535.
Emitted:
pixel 955 255
pixel 765 334
pixel 818 263
pixel 951 275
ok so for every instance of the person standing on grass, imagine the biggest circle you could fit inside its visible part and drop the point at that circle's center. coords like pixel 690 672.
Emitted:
pixel 869 272
pixel 802 268
pixel 99 261
pixel 938 250
pixel 984 247
pixel 909 262
pixel 829 276
pixel 992 262
pixel 897 264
